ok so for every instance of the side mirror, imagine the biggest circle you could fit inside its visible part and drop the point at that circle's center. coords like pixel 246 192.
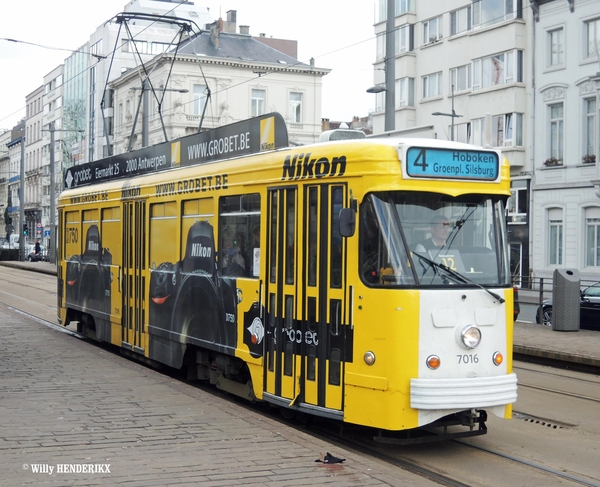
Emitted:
pixel 347 222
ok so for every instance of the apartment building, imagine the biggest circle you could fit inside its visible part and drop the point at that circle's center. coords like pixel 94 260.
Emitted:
pixel 34 148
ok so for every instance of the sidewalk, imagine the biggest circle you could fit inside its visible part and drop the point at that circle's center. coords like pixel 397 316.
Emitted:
pixel 72 413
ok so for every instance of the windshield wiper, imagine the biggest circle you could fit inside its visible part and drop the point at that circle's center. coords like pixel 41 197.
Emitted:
pixel 458 277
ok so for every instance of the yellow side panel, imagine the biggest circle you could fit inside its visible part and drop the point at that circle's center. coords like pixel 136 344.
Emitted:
pixel 386 324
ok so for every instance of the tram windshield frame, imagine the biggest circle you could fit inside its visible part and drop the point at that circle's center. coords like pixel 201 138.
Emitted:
pixel 398 227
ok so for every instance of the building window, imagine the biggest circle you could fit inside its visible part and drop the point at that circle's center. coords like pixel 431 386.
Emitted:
pixel 296 107
pixel 557 47
pixel 403 39
pixel 592 244
pixel 516 208
pixel 258 102
pixel 405 92
pixel 432 30
pixel 460 78
pixel 432 85
pixel 460 20
pixel 380 101
pixel 592 39
pixel 590 132
pixel 503 68
pixel 159 47
pixel 380 46
pixel 404 6
pixel 507 130
pixel 401 6
pixel 478 131
pixel 556 131
pixel 462 132
pixel 199 99
pixel 490 12
pixel 555 234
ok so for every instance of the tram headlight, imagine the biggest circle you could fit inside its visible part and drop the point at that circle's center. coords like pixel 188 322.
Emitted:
pixel 470 336
pixel 369 358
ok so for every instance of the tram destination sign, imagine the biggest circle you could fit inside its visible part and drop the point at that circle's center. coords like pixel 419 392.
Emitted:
pixel 425 162
pixel 258 134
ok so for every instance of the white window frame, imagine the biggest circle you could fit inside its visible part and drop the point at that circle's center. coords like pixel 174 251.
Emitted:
pixel 478 126
pixel 590 127
pixel 432 85
pixel 403 39
pixel 404 6
pixel 592 33
pixel 405 92
pixel 199 94
pixel 556 47
pixel 460 78
pixel 507 130
pixel 296 100
pixel 380 47
pixel 258 102
pixel 555 236
pixel 490 12
pixel 462 132
pixel 401 7
pixel 432 30
pixel 556 137
pixel 460 20
pixel 501 68
pixel 592 236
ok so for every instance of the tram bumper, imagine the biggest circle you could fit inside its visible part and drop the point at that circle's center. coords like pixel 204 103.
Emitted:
pixel 434 398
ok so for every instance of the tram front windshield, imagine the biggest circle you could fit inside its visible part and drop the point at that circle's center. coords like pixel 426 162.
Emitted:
pixel 413 239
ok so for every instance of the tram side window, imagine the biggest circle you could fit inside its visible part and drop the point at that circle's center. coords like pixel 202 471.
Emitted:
pixel 239 236
pixel 163 234
pixel 111 235
pixel 72 235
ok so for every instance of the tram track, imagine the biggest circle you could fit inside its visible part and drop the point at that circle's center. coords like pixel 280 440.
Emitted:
pixel 424 462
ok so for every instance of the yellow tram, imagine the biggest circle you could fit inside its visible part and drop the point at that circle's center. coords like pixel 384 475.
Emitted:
pixel 302 276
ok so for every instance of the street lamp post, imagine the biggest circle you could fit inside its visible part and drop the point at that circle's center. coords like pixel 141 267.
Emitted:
pixel 453 115
pixel 22 201
pixel 390 72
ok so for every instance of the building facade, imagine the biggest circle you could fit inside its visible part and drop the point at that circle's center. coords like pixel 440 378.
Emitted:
pixel 34 148
pixel 219 77
pixel 53 129
pixel 566 189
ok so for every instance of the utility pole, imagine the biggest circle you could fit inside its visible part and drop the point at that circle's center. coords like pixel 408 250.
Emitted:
pixel 390 71
pixel 22 202
pixel 52 249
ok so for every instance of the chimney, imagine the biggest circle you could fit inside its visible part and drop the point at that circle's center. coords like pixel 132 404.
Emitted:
pixel 245 29
pixel 215 33
pixel 231 24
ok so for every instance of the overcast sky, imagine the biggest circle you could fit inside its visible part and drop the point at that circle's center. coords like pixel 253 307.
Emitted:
pixel 337 34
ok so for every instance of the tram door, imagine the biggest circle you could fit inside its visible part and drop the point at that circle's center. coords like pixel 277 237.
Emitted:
pixel 306 303
pixel 134 250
